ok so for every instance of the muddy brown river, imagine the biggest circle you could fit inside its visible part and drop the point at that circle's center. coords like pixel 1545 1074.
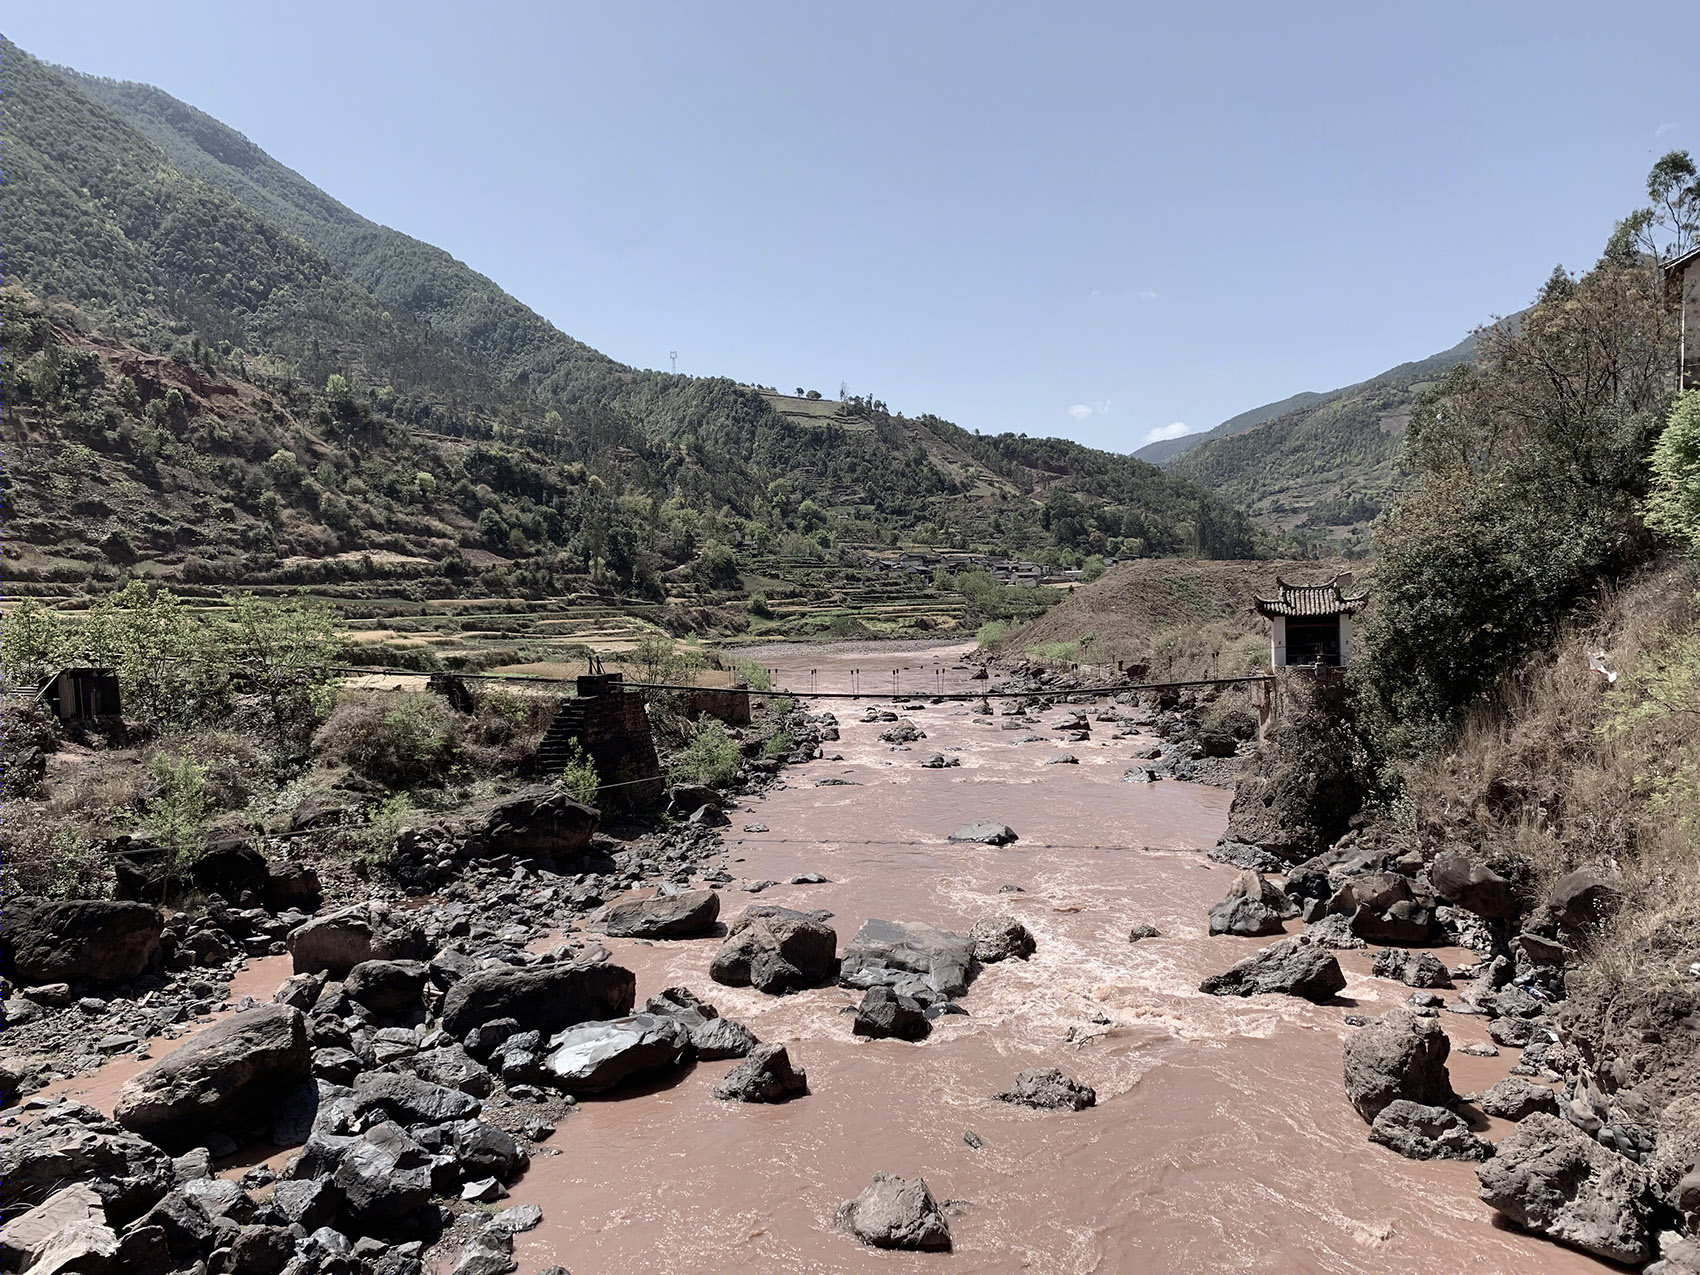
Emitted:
pixel 1222 1139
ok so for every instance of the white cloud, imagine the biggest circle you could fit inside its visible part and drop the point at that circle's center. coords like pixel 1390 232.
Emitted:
pixel 1085 411
pixel 1146 294
pixel 1662 129
pixel 1163 433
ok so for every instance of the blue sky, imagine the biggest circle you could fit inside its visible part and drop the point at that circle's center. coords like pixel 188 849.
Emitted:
pixel 1101 221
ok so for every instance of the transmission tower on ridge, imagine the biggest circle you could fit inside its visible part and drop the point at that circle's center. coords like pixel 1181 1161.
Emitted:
pixel 674 355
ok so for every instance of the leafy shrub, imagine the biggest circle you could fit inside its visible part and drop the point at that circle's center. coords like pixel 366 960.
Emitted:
pixel 710 756
pixel 394 739
pixel 175 814
pixel 1673 505
pixel 578 779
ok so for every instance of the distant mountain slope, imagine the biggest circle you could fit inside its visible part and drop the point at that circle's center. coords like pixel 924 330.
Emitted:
pixel 1166 449
pixel 1320 468
pixel 168 231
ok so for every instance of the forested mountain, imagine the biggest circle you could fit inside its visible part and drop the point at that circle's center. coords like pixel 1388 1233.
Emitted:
pixel 170 236
pixel 1314 466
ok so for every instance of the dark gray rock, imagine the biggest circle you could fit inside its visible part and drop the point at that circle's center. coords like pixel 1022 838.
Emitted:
pixel 338 941
pixel 384 1174
pixel 666 916
pixel 225 1078
pixel 884 1014
pixel 542 998
pixel 1241 854
pixel 309 1203
pixel 1385 909
pixel 484 1150
pixel 1582 901
pixel 885 952
pixel 1420 1132
pixel 722 1038
pixel 1048 1089
pixel 409 1100
pixel 79 940
pixel 986 833
pixel 599 1055
pixel 1252 908
pixel 69 1142
pixel 1143 931
pixel 539 822
pixel 1516 1098
pixel 1470 884
pixel 776 950
pixel 999 938
pixel 895 1212
pixel 767 1075
pixel 1399 1055
pixel 1551 1178
pixel 387 988
pixel 1414 969
pixel 452 1066
pixel 1292 967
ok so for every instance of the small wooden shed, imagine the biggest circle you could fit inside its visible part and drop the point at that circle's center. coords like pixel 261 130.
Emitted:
pixel 82 696
pixel 1311 623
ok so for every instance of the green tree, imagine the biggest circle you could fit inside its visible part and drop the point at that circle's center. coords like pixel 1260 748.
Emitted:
pixel 284 652
pixel 32 643
pixel 171 667
pixel 175 815
pixel 1673 504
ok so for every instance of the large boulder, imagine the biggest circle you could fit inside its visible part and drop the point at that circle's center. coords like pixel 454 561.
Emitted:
pixel 543 998
pixel 595 1056
pixel 895 1212
pixel 541 822
pixel 1293 967
pixel 1517 1098
pixel 1582 901
pixel 25 1238
pixel 1252 908
pixel 1385 909
pixel 884 1013
pixel 776 950
pixel 1414 969
pixel 1420 1132
pixel 1470 884
pixel 889 952
pixel 79 940
pixel 1048 1089
pixel 384 1175
pixel 666 916
pixel 766 1075
pixel 338 941
pixel 387 988
pixel 409 1100
pixel 1399 1055
pixel 226 1078
pixel 1550 1177
pixel 69 1142
pixel 998 938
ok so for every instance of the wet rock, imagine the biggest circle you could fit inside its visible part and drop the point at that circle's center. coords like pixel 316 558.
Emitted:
pixel 387 988
pixel 1292 967
pixel 409 1100
pixel 1516 1098
pixel 226 1078
pixel 1513 1033
pixel 986 833
pixel 666 916
pixel 1241 854
pixel 1470 884
pixel 1143 931
pixel 722 1038
pixel 905 732
pixel 776 950
pixel 596 1056
pixel 765 1076
pixel 483 1150
pixel 884 1013
pixel 1551 1178
pixel 1418 969
pixel 1334 932
pixel 1420 1132
pixel 887 952
pixel 1253 908
pixel 79 940
pixel 1048 1089
pixel 999 938
pixel 542 998
pixel 895 1212
pixel 1399 1055
pixel 938 761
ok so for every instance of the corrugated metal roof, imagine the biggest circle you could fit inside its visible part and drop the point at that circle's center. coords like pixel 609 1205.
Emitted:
pixel 1310 599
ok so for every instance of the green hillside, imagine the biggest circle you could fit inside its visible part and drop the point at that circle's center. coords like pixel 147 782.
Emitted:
pixel 170 235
